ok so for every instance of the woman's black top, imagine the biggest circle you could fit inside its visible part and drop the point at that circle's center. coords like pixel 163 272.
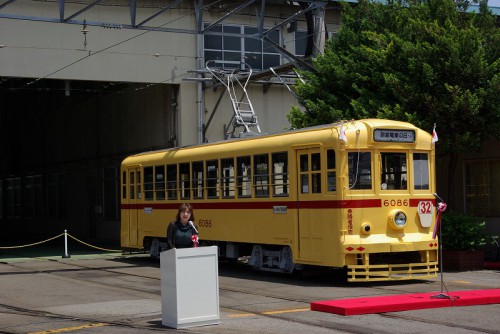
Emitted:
pixel 179 236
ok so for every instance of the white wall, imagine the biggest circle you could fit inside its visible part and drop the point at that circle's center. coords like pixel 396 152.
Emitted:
pixel 35 49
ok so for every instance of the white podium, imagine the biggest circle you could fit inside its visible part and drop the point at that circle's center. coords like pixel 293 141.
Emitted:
pixel 189 287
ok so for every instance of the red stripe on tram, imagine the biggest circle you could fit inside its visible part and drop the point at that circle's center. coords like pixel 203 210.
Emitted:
pixel 330 204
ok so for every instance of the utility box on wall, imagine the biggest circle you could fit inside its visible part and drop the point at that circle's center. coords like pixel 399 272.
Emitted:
pixel 189 287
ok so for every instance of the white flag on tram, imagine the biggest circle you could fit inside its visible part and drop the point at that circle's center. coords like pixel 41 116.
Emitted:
pixel 342 134
pixel 434 135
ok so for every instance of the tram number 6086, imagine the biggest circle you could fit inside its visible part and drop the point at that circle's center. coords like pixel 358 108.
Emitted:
pixel 395 202
pixel 205 222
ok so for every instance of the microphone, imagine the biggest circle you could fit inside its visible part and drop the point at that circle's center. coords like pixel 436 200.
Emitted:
pixel 192 225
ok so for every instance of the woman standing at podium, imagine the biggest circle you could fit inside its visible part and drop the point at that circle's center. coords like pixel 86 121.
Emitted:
pixel 182 233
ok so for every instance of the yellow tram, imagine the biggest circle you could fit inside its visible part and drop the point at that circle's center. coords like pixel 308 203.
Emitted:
pixel 355 195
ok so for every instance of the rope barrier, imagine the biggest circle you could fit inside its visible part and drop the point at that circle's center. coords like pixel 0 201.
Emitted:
pixel 33 244
pixel 99 248
pixel 65 244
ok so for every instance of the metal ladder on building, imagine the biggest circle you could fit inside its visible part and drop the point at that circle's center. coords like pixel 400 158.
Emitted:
pixel 234 80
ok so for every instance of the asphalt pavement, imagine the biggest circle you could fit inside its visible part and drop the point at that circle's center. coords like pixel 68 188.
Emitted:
pixel 108 292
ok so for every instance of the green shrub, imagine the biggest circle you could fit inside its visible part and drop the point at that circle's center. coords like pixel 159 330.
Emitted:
pixel 462 232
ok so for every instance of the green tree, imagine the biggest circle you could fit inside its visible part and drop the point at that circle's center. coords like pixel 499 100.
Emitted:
pixel 422 61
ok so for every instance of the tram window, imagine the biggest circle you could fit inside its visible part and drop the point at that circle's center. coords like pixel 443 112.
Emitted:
pixel 160 182
pixel 360 170
pixel 243 177
pixel 304 175
pixel 172 181
pixel 316 173
pixel 131 179
pixel 138 185
pixel 261 176
pixel 331 174
pixel 227 178
pixel 124 185
pixel 197 168
pixel 304 163
pixel 148 184
pixel 421 171
pixel 212 178
pixel 280 174
pixel 394 176
pixel 184 180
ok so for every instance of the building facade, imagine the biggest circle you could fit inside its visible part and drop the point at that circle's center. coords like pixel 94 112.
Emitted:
pixel 83 84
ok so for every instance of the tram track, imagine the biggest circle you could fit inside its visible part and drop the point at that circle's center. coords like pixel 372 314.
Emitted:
pixel 73 271
pixel 61 317
pixel 58 272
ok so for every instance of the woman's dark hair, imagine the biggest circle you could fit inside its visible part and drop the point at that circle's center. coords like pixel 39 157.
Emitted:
pixel 184 207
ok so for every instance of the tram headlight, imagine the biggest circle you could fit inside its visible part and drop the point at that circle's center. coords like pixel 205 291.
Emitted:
pixel 366 228
pixel 397 219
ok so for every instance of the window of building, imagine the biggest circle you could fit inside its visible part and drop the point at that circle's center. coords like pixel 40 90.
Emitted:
pixel 110 191
pixel 33 196
pixel 243 178
pixel 300 42
pixel 421 171
pixel 360 170
pixel 482 188
pixel 230 50
pixel 394 175
pixel 13 191
pixel 56 196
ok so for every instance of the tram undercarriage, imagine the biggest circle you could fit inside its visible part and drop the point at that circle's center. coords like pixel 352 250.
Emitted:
pixel 367 268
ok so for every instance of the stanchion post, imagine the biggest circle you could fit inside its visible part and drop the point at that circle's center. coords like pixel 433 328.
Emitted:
pixel 66 255
pixel 441 207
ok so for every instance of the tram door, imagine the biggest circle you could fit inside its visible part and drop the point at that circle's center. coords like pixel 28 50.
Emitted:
pixel 134 191
pixel 310 220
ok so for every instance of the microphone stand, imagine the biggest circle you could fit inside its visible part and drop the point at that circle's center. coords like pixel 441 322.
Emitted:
pixel 441 295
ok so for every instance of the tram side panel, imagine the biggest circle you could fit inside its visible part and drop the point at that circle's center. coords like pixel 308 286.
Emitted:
pixel 270 225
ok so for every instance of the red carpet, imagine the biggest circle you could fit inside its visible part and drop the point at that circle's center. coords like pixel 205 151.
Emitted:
pixel 492 265
pixel 397 303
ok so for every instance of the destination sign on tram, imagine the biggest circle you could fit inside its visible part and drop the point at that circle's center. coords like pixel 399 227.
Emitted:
pixel 386 135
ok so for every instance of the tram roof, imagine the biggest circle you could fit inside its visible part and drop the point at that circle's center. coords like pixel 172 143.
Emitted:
pixel 298 137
